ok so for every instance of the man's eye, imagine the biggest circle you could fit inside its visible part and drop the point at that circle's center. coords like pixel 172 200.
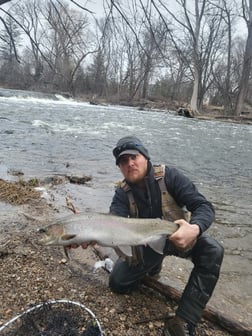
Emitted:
pixel 125 160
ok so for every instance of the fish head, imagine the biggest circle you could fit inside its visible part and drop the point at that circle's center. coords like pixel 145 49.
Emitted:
pixel 55 235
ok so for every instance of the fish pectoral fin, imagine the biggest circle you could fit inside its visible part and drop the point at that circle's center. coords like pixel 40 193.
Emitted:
pixel 158 244
pixel 123 251
pixel 68 236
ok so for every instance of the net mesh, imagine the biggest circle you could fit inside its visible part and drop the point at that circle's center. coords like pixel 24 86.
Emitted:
pixel 64 318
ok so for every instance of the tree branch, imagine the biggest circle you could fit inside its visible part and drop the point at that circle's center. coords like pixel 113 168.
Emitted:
pixel 11 37
pixel 3 2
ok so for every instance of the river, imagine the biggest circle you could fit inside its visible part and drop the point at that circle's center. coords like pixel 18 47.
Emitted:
pixel 43 137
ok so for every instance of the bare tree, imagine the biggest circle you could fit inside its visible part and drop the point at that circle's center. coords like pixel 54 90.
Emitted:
pixel 28 14
pixel 65 44
pixel 198 25
pixel 97 75
pixel 143 38
pixel 227 94
pixel 247 61
pixel 223 68
pixel 3 2
pixel 10 38
pixel 124 53
pixel 57 40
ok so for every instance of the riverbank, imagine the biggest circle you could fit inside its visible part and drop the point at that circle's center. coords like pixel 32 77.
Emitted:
pixel 31 274
pixel 209 112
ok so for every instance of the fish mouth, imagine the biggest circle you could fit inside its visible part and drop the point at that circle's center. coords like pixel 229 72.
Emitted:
pixel 49 239
pixel 45 239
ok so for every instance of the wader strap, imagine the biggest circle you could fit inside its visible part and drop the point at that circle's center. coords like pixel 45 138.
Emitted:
pixel 170 209
pixel 137 251
pixel 133 207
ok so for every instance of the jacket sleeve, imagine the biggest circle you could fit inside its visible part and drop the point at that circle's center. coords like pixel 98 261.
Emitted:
pixel 186 194
pixel 120 204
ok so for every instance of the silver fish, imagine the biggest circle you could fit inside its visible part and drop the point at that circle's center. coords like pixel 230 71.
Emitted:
pixel 120 233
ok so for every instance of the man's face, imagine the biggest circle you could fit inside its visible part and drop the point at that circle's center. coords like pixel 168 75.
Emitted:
pixel 133 167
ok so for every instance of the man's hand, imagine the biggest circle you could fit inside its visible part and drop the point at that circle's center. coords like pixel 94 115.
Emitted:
pixel 185 237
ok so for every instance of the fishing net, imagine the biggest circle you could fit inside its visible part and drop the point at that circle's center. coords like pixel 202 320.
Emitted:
pixel 54 318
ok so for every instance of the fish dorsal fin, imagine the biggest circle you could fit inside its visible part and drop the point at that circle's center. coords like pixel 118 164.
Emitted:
pixel 158 244
pixel 123 251
pixel 68 236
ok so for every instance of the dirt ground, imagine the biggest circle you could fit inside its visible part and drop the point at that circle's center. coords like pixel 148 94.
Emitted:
pixel 31 274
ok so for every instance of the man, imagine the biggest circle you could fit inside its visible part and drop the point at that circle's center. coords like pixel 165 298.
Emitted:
pixel 142 190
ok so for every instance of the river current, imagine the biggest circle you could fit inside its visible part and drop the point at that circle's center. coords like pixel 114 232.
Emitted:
pixel 43 137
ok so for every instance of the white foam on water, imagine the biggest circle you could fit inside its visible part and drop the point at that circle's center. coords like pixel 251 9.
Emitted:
pixel 62 102
pixel 59 127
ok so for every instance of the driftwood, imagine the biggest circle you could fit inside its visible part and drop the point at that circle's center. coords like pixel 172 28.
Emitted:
pixel 185 112
pixel 71 206
pixel 210 314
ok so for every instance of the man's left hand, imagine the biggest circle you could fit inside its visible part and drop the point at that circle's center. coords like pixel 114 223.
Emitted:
pixel 185 237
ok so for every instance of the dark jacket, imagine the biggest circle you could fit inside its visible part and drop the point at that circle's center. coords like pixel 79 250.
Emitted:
pixel 148 201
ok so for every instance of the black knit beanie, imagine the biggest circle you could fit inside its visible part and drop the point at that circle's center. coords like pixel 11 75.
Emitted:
pixel 129 145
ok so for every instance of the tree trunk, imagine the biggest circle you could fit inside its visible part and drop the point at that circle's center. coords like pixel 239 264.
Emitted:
pixel 244 82
pixel 196 35
pixel 228 110
pixel 195 94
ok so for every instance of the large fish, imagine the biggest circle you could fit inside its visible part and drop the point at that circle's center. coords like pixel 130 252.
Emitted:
pixel 120 233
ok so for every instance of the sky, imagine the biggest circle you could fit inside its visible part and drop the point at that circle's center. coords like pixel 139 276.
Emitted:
pixel 97 6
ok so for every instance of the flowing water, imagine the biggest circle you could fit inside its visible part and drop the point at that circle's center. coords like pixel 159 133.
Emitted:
pixel 42 137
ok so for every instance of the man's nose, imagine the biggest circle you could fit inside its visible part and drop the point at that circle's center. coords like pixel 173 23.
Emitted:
pixel 130 161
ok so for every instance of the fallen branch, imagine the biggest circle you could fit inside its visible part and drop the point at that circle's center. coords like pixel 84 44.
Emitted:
pixel 210 314
pixel 71 206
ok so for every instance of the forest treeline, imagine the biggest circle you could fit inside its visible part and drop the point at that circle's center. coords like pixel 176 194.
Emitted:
pixel 191 51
